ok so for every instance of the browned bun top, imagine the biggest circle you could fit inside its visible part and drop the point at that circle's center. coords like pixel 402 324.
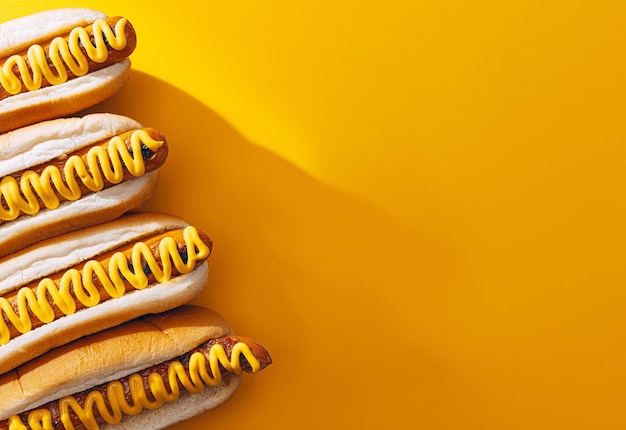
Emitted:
pixel 108 355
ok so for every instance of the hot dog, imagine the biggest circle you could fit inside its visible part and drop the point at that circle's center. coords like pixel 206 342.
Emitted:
pixel 81 282
pixel 58 62
pixel 145 374
pixel 68 173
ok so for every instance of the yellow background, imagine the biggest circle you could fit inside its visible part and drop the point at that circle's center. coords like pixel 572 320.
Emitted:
pixel 417 206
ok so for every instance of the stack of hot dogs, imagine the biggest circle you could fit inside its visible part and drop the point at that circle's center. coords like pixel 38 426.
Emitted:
pixel 96 329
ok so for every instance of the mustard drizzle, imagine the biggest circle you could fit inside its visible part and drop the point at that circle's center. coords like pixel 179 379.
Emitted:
pixel 64 54
pixel 101 164
pixel 202 371
pixel 81 282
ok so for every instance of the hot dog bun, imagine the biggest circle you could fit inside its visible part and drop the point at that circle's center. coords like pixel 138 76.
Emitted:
pixel 27 220
pixel 51 264
pixel 121 351
pixel 20 106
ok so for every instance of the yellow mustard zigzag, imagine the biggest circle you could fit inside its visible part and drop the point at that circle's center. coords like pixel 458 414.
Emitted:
pixel 194 382
pixel 64 54
pixel 113 279
pixel 23 197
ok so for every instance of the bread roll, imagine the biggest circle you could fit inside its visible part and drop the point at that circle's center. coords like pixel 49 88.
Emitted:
pixel 27 148
pixel 35 267
pixel 80 90
pixel 126 349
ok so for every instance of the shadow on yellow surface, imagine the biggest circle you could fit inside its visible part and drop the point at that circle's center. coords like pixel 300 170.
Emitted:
pixel 303 268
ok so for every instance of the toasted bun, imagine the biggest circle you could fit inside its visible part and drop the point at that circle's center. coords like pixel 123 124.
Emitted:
pixel 63 99
pixel 59 253
pixel 113 354
pixel 42 142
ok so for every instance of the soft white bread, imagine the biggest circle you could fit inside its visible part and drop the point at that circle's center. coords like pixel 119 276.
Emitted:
pixel 63 99
pixel 35 144
pixel 39 143
pixel 18 34
pixel 115 353
pixel 55 254
pixel 91 209
pixel 62 252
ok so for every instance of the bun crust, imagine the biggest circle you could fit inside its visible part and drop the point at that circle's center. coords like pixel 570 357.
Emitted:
pixel 110 355
pixel 57 254
pixel 58 100
pixel 35 144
